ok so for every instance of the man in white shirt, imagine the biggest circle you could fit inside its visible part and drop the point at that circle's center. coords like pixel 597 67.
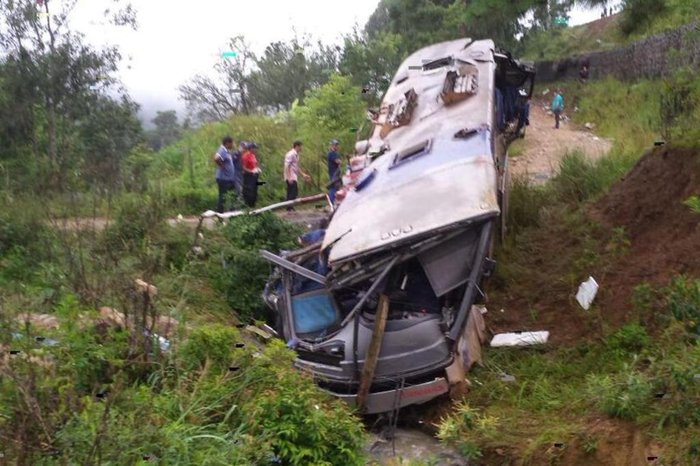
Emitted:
pixel 292 171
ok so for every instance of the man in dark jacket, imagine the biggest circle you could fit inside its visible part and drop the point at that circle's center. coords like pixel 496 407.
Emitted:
pixel 334 172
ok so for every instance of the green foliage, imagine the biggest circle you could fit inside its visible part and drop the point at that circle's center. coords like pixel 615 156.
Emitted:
pixel 632 338
pixel 639 14
pixel 371 62
pixel 683 299
pixel 330 112
pixel 135 216
pixel 237 268
pixel 526 202
pixel 301 428
pixel 463 425
pixel 680 95
pixel 210 343
pixel 25 239
pixel 626 394
pixel 693 202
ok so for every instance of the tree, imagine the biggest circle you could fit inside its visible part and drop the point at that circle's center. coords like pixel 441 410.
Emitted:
pixel 167 129
pixel 332 111
pixel 371 62
pixel 269 83
pixel 54 75
pixel 215 98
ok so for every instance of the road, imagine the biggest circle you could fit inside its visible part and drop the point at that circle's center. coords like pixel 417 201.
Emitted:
pixel 544 146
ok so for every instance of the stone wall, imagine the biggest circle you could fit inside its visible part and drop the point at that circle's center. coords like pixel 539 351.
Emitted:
pixel 648 58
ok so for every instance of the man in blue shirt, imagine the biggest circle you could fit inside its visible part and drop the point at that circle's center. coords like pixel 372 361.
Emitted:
pixel 225 171
pixel 334 175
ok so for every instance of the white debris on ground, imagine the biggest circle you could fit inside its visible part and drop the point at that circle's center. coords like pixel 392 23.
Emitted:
pixel 519 339
pixel 587 292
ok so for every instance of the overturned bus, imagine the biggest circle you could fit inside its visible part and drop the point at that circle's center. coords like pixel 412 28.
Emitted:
pixel 379 310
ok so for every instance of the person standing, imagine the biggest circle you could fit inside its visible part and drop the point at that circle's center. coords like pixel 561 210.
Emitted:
pixel 557 107
pixel 238 167
pixel 292 171
pixel 251 172
pixel 334 162
pixel 523 111
pixel 225 171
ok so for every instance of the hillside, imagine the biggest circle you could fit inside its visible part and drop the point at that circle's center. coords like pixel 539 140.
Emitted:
pixel 641 20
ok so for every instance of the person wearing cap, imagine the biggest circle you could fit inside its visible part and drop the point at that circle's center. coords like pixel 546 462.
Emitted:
pixel 292 171
pixel 334 162
pixel 225 171
pixel 251 172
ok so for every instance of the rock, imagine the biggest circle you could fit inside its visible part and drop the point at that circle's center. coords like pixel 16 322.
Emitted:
pixel 113 318
pixel 146 288
pixel 164 325
pixel 550 113
pixel 197 250
pixel 412 445
pixel 545 92
pixel 589 126
pixel 43 321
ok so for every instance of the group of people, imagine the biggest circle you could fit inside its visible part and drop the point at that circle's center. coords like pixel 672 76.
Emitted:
pixel 238 172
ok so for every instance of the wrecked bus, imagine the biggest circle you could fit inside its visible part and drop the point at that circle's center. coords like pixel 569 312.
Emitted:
pixel 379 310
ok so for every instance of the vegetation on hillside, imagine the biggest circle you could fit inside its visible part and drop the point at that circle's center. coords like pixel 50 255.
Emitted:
pixel 639 19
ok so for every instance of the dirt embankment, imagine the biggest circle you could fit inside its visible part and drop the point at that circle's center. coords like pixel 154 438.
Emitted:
pixel 664 233
pixel 662 240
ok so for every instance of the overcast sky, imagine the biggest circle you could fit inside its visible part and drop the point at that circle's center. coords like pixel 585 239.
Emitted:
pixel 176 39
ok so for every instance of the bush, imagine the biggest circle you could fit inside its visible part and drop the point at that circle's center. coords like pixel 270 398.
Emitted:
pixel 213 343
pixel 632 338
pixel 25 239
pixel 638 14
pixel 461 428
pixel 625 394
pixel 525 204
pixel 135 217
pixel 244 272
pixel 683 299
pixel 303 427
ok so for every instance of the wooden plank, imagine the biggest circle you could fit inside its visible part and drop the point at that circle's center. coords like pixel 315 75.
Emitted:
pixel 372 355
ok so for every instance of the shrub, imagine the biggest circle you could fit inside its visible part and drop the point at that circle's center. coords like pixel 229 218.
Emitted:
pixel 525 204
pixel 25 239
pixel 693 203
pixel 461 427
pixel 213 343
pixel 244 272
pixel 683 299
pixel 304 427
pixel 638 14
pixel 625 394
pixel 629 339
pixel 135 217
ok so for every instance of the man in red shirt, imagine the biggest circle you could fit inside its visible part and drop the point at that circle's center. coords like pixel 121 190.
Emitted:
pixel 251 172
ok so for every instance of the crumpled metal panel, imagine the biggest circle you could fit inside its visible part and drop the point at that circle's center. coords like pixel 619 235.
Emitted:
pixel 454 181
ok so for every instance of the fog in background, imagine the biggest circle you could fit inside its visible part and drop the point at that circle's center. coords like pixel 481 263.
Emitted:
pixel 176 40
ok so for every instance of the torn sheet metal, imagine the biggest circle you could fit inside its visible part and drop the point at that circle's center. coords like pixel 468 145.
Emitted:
pixel 587 292
pixel 520 339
